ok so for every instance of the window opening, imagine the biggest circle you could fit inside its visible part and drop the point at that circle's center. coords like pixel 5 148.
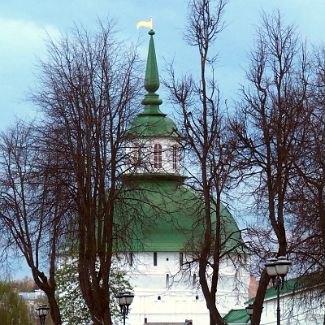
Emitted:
pixel 157 155
pixel 155 259
pixel 194 280
pixel 167 281
pixel 131 258
pixel 136 155
pixel 174 157
pixel 181 259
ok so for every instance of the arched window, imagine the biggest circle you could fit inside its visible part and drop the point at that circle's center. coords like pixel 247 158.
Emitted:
pixel 157 155
pixel 136 155
pixel 174 148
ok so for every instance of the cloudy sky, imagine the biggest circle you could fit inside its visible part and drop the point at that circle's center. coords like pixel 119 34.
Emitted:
pixel 26 24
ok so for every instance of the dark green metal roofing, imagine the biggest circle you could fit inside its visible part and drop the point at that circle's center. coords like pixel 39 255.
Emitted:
pixel 152 125
pixel 152 122
pixel 291 286
pixel 166 216
pixel 236 316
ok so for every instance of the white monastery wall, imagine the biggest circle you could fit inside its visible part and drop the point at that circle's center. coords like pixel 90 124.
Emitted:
pixel 164 294
pixel 297 309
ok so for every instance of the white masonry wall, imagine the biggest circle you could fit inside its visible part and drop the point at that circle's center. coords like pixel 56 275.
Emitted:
pixel 301 308
pixel 164 294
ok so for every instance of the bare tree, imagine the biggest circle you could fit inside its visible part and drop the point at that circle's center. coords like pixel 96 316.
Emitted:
pixel 307 199
pixel 32 203
pixel 87 94
pixel 210 148
pixel 270 128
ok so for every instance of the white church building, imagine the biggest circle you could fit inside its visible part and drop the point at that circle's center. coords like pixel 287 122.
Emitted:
pixel 165 290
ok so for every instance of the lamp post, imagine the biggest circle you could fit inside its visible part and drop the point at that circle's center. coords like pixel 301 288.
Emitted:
pixel 42 313
pixel 125 300
pixel 277 269
pixel 250 310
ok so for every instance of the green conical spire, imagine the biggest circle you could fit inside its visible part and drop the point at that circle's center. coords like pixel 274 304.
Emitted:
pixel 151 83
pixel 151 122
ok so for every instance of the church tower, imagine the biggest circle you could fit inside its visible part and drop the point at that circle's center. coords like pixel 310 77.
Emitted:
pixel 162 218
pixel 154 147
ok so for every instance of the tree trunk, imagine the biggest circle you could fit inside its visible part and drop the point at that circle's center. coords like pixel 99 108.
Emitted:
pixel 259 298
pixel 54 309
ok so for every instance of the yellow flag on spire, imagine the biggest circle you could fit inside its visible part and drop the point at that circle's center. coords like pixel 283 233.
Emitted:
pixel 143 23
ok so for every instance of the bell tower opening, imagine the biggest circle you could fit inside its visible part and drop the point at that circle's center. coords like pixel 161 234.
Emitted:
pixel 157 155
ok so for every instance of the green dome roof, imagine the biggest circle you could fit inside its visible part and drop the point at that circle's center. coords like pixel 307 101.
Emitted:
pixel 163 216
pixel 152 125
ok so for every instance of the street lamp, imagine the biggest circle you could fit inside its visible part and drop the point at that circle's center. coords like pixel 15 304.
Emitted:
pixel 250 310
pixel 277 269
pixel 42 313
pixel 125 300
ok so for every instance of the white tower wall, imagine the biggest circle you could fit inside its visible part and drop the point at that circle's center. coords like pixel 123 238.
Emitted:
pixel 141 156
pixel 165 294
